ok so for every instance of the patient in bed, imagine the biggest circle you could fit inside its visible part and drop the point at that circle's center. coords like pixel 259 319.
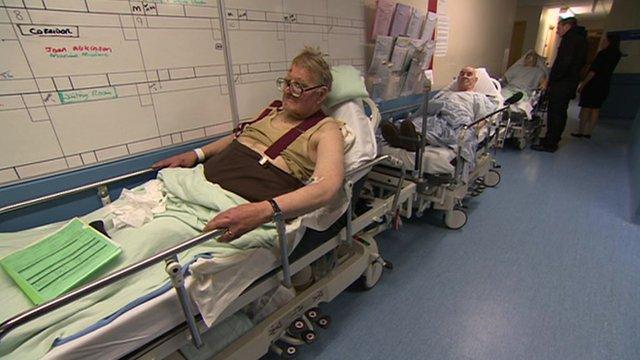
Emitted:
pixel 298 177
pixel 448 112
pixel 243 179
pixel 524 76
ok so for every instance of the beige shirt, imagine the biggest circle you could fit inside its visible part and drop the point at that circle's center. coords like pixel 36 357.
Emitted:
pixel 296 155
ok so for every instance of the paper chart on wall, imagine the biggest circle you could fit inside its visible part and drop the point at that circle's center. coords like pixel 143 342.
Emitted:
pixel 442 35
pixel 84 82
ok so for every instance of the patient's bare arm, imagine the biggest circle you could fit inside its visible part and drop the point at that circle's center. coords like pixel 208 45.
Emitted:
pixel 189 158
pixel 329 174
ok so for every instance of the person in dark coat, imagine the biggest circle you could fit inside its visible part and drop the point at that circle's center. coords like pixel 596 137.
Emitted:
pixel 563 80
pixel 595 87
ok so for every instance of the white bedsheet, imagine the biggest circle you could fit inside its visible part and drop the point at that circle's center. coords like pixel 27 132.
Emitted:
pixel 435 159
pixel 144 323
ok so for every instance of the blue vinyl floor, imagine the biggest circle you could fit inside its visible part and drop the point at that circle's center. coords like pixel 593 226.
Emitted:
pixel 548 267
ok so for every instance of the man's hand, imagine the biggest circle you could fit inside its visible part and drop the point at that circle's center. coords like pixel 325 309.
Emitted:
pixel 186 160
pixel 240 220
pixel 580 86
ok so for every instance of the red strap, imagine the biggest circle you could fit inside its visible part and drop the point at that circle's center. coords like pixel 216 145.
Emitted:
pixel 432 6
pixel 276 104
pixel 290 136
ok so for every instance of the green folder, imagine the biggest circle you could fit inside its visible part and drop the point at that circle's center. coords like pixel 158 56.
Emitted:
pixel 52 266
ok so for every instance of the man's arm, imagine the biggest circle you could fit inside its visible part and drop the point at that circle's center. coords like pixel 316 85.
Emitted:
pixel 190 158
pixel 564 58
pixel 329 175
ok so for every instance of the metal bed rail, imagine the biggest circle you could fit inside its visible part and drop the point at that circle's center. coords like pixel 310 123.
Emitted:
pixel 79 189
pixel 165 255
pixel 401 109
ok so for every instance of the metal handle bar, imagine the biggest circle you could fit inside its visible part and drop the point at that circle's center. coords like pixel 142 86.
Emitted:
pixel 61 194
pixel 400 108
pixel 485 117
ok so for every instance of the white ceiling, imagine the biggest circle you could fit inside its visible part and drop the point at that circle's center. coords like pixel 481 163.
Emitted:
pixel 584 9
pixel 581 7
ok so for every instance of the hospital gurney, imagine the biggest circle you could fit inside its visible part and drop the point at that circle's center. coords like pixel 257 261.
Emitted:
pixel 523 120
pixel 439 173
pixel 135 333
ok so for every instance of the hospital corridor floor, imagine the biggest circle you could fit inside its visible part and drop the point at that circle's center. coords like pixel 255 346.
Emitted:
pixel 548 267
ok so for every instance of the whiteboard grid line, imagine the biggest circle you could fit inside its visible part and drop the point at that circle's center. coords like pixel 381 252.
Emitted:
pixel 274 67
pixel 24 53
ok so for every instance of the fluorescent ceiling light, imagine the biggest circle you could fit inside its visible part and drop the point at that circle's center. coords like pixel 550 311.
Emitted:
pixel 567 14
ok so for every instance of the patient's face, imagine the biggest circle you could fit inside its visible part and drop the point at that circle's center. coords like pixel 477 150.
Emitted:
pixel 309 102
pixel 467 79
pixel 530 60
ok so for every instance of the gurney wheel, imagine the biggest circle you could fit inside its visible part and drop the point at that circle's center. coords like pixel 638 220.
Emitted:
pixel 289 352
pixel 324 322
pixel 312 314
pixel 455 219
pixel 309 337
pixel 369 278
pixel 297 326
pixel 285 351
pixel 492 179
pixel 372 275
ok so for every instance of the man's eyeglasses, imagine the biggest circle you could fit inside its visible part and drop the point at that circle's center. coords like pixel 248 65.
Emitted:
pixel 295 88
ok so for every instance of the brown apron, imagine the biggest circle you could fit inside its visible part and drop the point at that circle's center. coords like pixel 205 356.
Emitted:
pixel 237 169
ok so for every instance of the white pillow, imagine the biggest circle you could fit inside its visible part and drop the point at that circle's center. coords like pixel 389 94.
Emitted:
pixel 364 146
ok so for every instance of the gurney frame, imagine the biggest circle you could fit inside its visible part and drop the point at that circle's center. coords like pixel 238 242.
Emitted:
pixel 330 287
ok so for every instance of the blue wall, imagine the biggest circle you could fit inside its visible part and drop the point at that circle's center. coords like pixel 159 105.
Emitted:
pixel 81 203
pixel 635 169
pixel 623 105
pixel 623 101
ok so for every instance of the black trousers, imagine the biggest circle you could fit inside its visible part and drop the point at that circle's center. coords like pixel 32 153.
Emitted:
pixel 560 94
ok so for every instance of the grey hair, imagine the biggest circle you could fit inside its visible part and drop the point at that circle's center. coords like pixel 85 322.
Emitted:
pixel 312 60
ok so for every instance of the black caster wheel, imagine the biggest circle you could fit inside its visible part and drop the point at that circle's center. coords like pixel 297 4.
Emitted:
pixel 388 265
pixel 312 314
pixel 283 350
pixel 297 326
pixel 289 352
pixel 309 337
pixel 324 321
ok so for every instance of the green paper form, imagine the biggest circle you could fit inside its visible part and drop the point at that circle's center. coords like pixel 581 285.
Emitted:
pixel 60 261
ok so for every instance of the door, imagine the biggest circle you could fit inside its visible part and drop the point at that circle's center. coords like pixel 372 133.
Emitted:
pixel 517 41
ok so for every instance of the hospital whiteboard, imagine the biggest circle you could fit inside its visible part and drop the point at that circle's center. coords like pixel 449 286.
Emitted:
pixel 88 81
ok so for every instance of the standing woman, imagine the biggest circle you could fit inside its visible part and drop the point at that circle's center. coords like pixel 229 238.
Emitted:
pixel 595 87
